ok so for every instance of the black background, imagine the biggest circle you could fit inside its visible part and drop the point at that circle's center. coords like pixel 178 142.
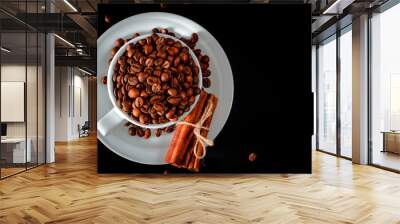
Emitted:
pixel 269 49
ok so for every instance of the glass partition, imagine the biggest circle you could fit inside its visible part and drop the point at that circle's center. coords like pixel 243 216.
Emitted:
pixel 22 91
pixel 385 88
pixel 327 95
pixel 346 93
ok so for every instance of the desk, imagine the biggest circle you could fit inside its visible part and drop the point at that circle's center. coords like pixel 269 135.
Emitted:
pixel 391 141
pixel 17 148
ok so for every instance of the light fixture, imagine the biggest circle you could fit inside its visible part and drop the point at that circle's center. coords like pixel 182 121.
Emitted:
pixel 84 71
pixel 70 5
pixel 5 50
pixel 64 40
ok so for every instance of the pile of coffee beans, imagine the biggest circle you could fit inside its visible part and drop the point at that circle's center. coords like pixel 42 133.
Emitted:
pixel 156 79
pixel 135 130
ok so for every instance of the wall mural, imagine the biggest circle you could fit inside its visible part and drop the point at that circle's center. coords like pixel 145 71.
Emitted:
pixel 204 88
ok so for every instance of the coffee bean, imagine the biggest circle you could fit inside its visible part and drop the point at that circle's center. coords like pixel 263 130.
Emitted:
pixel 194 38
pixel 158 132
pixel 252 157
pixel 204 59
pixel 172 92
pixel 119 42
pixel 164 76
pixel 156 88
pixel 140 132
pixel 107 19
pixel 174 100
pixel 136 112
pixel 132 131
pixel 104 80
pixel 133 93
pixel 154 99
pixel 147 133
pixel 139 102
pixel 207 73
pixel 206 82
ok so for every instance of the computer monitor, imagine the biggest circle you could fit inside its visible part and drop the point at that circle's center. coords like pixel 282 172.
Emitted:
pixel 3 129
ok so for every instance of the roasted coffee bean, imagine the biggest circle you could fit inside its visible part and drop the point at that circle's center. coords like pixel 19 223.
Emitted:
pixel 107 19
pixel 172 51
pixel 191 99
pixel 136 112
pixel 139 102
pixel 170 129
pixel 196 91
pixel 194 38
pixel 206 82
pixel 158 132
pixel 104 80
pixel 172 92
pixel 144 94
pixel 166 64
pixel 139 131
pixel 149 62
pixel 158 62
pixel 154 99
pixel 164 76
pixel 119 42
pixel 157 73
pixel 133 93
pixel 114 50
pixel 132 131
pixel 205 59
pixel 164 31
pixel 174 100
pixel 147 49
pixel 141 76
pixel 159 107
pixel 206 73
pixel 147 133
pixel 133 80
pixel 156 88
pixel 197 52
pixel 143 118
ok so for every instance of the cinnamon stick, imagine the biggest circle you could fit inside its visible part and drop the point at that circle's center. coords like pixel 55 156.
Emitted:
pixel 184 133
pixel 212 101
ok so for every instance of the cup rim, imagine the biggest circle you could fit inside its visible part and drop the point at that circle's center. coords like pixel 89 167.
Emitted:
pixel 110 74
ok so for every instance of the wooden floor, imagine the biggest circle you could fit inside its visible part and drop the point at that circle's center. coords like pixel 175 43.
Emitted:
pixel 70 191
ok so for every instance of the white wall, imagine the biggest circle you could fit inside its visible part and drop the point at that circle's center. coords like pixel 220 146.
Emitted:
pixel 69 81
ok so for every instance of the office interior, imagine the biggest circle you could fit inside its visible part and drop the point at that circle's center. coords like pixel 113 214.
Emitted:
pixel 48 94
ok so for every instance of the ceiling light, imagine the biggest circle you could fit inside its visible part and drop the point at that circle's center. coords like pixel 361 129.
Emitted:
pixel 84 71
pixel 5 50
pixel 65 41
pixel 70 5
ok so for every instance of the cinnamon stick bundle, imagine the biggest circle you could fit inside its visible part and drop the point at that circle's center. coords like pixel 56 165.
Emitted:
pixel 181 150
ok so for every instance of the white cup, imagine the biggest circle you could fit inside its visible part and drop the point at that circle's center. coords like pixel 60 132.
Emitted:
pixel 116 116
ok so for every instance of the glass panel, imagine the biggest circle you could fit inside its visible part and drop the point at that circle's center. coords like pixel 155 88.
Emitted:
pixel 327 96
pixel 385 87
pixel 346 94
pixel 32 88
pixel 31 98
pixel 41 98
pixel 13 87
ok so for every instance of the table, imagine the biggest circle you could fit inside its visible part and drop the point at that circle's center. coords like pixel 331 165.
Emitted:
pixel 391 141
pixel 18 149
